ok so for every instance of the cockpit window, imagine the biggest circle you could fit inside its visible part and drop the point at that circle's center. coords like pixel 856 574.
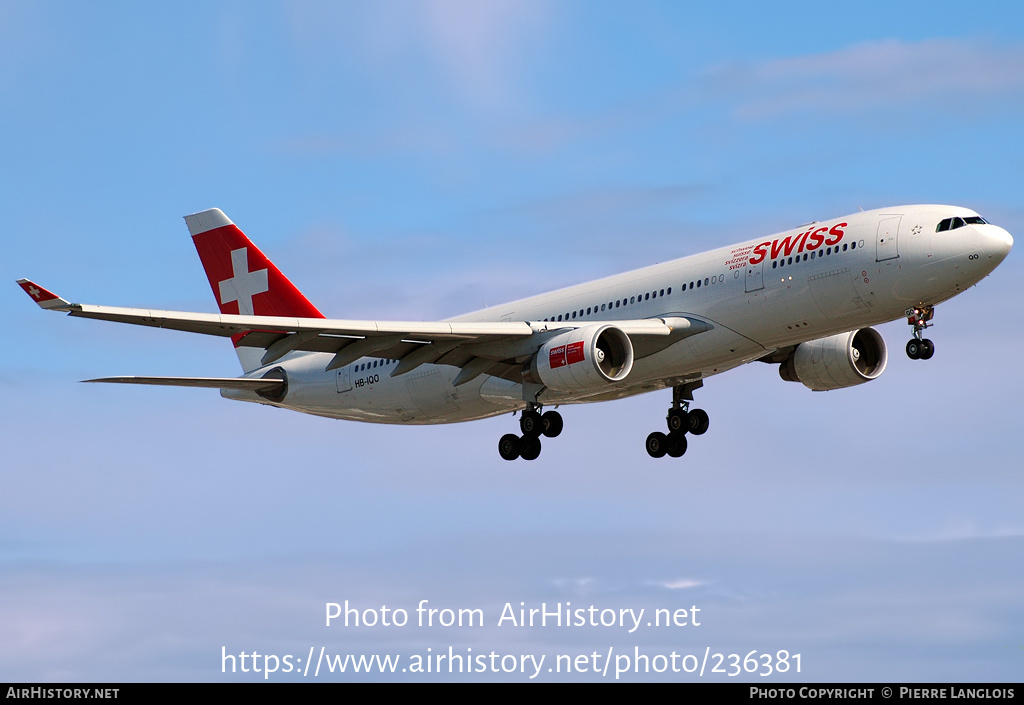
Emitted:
pixel 954 223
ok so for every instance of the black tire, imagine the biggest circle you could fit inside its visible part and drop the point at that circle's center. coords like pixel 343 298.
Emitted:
pixel 927 349
pixel 699 422
pixel 531 424
pixel 657 444
pixel 529 448
pixel 914 349
pixel 551 422
pixel 676 445
pixel 508 446
pixel 678 420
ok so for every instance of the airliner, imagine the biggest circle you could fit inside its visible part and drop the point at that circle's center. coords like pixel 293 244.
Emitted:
pixel 804 299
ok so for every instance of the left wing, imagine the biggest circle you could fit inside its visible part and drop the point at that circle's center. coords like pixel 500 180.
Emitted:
pixel 494 347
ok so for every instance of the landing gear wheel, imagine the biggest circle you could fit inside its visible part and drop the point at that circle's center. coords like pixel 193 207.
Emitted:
pixel 681 419
pixel 531 424
pixel 551 422
pixel 657 444
pixel 509 446
pixel 699 422
pixel 678 420
pixel 529 447
pixel 676 445
pixel 919 347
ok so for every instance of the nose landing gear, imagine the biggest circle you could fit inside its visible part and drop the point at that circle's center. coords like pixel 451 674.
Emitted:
pixel 919 347
pixel 533 424
pixel 681 419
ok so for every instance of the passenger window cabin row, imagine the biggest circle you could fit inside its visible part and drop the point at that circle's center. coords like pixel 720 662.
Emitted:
pixel 813 254
pixel 639 298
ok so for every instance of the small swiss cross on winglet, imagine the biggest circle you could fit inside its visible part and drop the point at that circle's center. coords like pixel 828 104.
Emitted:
pixel 43 297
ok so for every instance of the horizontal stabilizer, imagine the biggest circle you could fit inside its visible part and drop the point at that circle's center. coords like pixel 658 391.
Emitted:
pixel 252 385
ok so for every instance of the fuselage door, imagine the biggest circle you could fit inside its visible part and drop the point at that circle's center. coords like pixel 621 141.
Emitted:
pixel 344 379
pixel 755 276
pixel 887 243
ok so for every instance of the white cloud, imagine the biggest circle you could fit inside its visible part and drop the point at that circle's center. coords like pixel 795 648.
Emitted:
pixel 966 529
pixel 681 584
pixel 474 47
pixel 478 42
pixel 940 75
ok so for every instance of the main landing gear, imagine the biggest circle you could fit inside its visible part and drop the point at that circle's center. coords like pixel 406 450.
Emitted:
pixel 920 348
pixel 533 424
pixel 681 420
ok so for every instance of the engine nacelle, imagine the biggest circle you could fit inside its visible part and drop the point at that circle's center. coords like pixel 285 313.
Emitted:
pixel 581 359
pixel 837 361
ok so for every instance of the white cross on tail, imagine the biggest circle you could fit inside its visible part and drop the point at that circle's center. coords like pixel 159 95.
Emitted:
pixel 244 284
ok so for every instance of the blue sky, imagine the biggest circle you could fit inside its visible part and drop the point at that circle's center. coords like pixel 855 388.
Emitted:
pixel 415 160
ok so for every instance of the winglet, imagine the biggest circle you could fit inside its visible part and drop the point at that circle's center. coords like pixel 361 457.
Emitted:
pixel 45 299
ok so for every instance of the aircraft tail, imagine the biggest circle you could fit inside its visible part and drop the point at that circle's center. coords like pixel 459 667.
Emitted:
pixel 243 280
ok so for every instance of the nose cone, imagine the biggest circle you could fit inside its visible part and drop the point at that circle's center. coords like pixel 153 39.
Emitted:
pixel 996 242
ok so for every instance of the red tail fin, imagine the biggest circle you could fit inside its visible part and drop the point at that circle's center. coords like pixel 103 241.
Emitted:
pixel 242 278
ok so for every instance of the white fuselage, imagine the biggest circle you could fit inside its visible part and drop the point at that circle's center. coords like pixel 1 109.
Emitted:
pixel 758 296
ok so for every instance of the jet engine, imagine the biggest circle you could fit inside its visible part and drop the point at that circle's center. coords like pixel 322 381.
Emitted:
pixel 838 361
pixel 581 359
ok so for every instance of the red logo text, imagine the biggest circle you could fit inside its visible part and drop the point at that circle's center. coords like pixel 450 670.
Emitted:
pixel 795 244
pixel 565 355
